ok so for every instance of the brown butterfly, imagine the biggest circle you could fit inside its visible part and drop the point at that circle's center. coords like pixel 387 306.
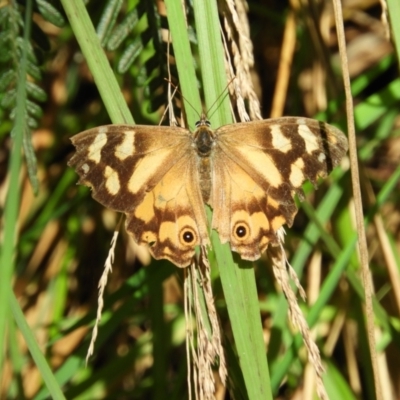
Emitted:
pixel 161 178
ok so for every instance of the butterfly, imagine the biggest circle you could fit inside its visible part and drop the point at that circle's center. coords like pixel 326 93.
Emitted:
pixel 161 177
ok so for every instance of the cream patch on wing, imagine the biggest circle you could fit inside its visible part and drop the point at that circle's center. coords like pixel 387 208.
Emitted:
pixel 259 221
pixel 146 168
pixel 278 220
pixel 279 140
pixel 334 135
pixel 145 210
pixel 168 231
pixel 239 215
pixel 148 237
pixel 262 163
pixel 99 142
pixel 309 138
pixel 296 177
pixel 186 220
pixel 112 180
pixel 127 147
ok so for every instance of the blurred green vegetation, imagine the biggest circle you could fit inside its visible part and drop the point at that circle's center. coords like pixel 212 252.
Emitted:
pixel 54 244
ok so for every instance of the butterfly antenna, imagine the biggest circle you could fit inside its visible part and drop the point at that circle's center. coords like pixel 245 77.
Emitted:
pixel 203 116
pixel 222 95
pixel 188 102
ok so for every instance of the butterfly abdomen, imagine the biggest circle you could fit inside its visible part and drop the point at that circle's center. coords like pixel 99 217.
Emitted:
pixel 205 178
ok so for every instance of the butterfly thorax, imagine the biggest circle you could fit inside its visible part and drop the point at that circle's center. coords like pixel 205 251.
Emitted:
pixel 204 140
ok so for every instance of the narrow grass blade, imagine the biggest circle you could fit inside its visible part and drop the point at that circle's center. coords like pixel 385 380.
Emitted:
pixel 97 61
pixel 237 278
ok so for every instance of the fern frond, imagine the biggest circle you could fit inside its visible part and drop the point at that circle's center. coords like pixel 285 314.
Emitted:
pixel 121 32
pixel 136 38
pixel 107 20
pixel 51 13
pixel 13 44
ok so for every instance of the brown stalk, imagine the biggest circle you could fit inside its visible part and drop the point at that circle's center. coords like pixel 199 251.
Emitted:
pixel 362 241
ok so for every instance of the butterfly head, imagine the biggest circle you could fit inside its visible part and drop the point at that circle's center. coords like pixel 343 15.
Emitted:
pixel 203 137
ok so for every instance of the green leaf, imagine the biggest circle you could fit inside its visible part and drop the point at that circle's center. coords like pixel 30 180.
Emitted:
pixel 33 109
pixel 34 71
pixel 35 92
pixel 50 13
pixel 394 15
pixel 123 29
pixel 97 61
pixel 7 79
pixel 107 20
pixel 129 55
pixel 8 101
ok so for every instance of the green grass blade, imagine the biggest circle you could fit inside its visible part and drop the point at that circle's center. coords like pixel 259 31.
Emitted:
pixel 212 61
pixel 13 196
pixel 40 361
pixel 244 313
pixel 159 329
pixel 238 279
pixel 377 105
pixel 335 384
pixel 97 61
pixel 394 15
pixel 184 61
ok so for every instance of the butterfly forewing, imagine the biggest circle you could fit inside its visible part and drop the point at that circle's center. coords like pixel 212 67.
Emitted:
pixel 121 163
pixel 289 149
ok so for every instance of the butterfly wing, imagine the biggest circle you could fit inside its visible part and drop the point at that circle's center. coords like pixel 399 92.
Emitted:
pixel 258 167
pixel 171 218
pixel 150 174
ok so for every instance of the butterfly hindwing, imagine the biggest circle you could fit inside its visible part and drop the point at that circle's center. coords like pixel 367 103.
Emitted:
pixel 243 214
pixel 171 218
